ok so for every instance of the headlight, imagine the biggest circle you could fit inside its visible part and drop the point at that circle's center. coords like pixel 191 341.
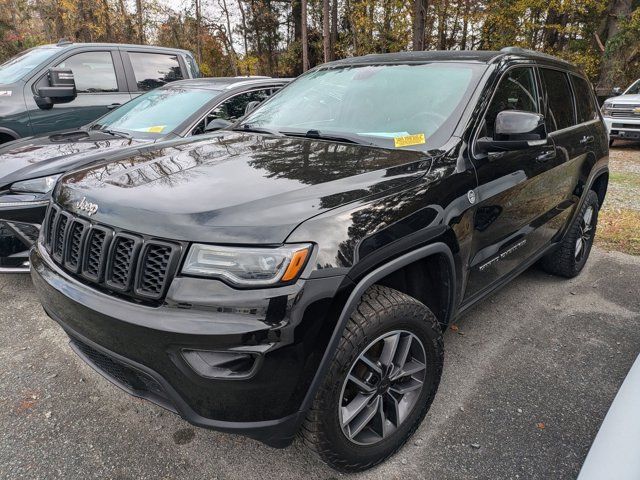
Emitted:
pixel 248 266
pixel 36 185
pixel 606 109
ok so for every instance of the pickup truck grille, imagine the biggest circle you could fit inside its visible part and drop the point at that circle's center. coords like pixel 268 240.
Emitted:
pixel 121 262
pixel 621 110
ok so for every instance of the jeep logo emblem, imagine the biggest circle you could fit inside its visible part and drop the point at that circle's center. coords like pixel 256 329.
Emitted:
pixel 86 207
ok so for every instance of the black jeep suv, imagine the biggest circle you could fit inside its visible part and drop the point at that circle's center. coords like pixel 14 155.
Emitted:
pixel 296 274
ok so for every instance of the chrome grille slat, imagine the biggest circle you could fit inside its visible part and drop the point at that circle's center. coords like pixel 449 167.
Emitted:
pixel 128 264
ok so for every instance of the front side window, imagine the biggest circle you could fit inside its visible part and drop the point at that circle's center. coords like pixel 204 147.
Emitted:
pixel 22 64
pixel 585 102
pixel 152 70
pixel 516 91
pixel 392 105
pixel 560 112
pixel 93 72
pixel 158 112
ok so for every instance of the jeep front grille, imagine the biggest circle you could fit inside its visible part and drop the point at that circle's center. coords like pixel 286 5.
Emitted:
pixel 132 265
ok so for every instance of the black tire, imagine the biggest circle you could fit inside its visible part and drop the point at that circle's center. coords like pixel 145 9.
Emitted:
pixel 567 260
pixel 381 311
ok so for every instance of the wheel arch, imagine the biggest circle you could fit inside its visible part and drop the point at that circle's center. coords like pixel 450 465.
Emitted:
pixel 389 274
pixel 599 185
pixel 7 135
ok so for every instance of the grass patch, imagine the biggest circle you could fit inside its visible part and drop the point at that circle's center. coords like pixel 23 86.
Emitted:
pixel 619 229
pixel 628 179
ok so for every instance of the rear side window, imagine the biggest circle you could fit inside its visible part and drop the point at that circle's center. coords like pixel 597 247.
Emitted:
pixel 584 100
pixel 516 91
pixel 152 70
pixel 560 112
pixel 92 71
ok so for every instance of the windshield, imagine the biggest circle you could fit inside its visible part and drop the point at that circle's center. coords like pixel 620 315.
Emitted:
pixel 634 89
pixel 395 106
pixel 157 112
pixel 17 67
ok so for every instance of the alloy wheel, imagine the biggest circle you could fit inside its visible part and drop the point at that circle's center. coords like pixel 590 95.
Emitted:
pixel 382 387
pixel 585 233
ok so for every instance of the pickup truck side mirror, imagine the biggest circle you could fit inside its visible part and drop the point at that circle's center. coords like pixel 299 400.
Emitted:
pixel 61 88
pixel 616 91
pixel 217 124
pixel 515 130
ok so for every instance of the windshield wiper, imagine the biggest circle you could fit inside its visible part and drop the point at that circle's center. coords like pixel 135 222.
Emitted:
pixel 335 136
pixel 247 127
pixel 115 133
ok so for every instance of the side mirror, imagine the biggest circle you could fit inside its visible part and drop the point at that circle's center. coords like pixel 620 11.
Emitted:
pixel 217 124
pixel 515 130
pixel 616 91
pixel 61 88
pixel 251 106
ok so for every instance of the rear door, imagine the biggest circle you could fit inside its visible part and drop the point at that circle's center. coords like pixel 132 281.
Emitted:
pixel 147 70
pixel 100 84
pixel 517 191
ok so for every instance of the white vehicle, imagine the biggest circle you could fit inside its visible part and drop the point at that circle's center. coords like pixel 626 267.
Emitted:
pixel 622 114
pixel 614 453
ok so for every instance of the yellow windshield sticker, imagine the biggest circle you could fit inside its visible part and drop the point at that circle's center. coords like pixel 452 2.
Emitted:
pixel 156 129
pixel 409 140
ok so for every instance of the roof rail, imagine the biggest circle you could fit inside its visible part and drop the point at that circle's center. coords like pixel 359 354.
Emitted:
pixel 533 53
pixel 64 41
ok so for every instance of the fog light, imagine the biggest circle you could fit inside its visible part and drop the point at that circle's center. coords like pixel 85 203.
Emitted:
pixel 222 365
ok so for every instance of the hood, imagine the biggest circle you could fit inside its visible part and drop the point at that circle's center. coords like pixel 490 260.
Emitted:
pixel 235 187
pixel 629 99
pixel 47 155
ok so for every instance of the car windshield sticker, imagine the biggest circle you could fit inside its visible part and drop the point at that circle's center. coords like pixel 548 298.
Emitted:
pixel 5 93
pixel 385 134
pixel 409 140
pixel 156 129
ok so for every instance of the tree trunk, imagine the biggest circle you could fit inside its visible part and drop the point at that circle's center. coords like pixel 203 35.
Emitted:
pixel 229 36
pixel 140 21
pixel 305 40
pixel 334 30
pixel 198 29
pixel 326 33
pixel 610 26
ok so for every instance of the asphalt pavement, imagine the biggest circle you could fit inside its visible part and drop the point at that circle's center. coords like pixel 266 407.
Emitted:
pixel 529 375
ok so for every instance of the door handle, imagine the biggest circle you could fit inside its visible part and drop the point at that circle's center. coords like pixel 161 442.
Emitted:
pixel 586 139
pixel 546 156
pixel 113 105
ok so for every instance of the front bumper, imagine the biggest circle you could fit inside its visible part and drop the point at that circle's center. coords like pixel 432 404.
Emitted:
pixel 142 348
pixel 623 128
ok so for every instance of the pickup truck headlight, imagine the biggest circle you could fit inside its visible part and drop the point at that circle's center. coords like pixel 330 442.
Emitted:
pixel 606 109
pixel 36 185
pixel 248 267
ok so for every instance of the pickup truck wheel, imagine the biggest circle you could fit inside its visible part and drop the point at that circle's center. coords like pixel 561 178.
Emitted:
pixel 380 384
pixel 571 255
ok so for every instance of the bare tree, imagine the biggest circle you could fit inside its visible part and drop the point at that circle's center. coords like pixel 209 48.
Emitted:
pixel 140 21
pixel 334 30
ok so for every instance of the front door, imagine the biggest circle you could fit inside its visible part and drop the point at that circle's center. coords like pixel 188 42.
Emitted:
pixel 100 84
pixel 516 196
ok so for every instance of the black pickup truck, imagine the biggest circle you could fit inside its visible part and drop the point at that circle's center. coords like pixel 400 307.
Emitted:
pixel 295 274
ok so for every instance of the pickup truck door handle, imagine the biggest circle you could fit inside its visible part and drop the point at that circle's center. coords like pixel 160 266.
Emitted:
pixel 547 155
pixel 112 106
pixel 586 139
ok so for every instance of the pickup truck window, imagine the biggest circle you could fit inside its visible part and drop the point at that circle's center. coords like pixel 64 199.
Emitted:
pixel 93 72
pixel 152 70
pixel 559 99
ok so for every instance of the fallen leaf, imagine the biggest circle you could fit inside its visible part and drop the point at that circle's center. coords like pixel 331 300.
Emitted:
pixel 540 425
pixel 454 328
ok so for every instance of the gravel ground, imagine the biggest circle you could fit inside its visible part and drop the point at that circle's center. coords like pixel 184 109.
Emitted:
pixel 528 378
